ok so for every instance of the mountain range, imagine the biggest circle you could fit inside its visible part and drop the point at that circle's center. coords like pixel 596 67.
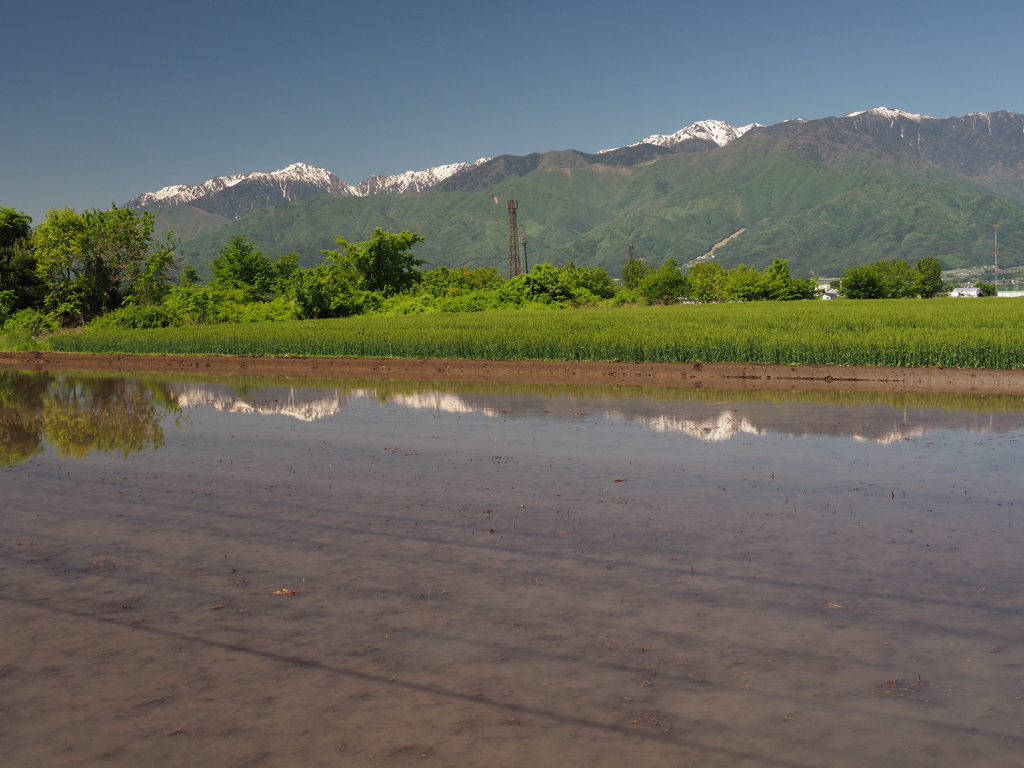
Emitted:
pixel 827 194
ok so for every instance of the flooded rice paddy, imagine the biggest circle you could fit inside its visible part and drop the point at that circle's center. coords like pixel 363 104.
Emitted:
pixel 240 572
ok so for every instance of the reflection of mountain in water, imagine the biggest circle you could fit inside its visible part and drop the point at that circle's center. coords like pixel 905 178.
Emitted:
pixel 708 416
pixel 304 404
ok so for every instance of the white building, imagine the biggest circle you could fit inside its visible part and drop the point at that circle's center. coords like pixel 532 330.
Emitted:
pixel 962 291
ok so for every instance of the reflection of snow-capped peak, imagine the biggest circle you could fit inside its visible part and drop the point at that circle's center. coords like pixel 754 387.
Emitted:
pixel 714 430
pixel 293 404
pixel 440 401
pixel 895 436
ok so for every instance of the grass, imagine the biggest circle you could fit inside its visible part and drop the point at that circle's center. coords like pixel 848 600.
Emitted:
pixel 964 333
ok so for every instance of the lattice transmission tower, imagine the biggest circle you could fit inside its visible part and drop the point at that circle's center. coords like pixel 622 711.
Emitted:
pixel 514 264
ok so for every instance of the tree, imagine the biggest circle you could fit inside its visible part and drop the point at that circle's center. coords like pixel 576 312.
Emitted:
pixel 898 279
pixel 861 283
pixel 987 289
pixel 328 290
pixel 634 273
pixel 153 284
pixel 90 263
pixel 14 226
pixel 20 288
pixel 929 277
pixel 442 281
pixel 62 265
pixel 744 284
pixel 384 262
pixel 665 284
pixel 241 265
pixel 189 277
pixel 706 282
pixel 779 286
pixel 286 265
pixel 892 280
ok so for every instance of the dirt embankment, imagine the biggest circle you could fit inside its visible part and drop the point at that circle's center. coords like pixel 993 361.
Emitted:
pixel 975 381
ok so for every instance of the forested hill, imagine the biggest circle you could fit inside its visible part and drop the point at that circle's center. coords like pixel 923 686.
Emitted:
pixel 826 194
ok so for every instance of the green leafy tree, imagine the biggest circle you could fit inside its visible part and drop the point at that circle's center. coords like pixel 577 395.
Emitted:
pixel 189 276
pixel 384 262
pixel 63 266
pixel 442 281
pixel 861 283
pixel 634 272
pixel 744 284
pixel 987 289
pixel 779 286
pixel 328 290
pixel 14 226
pixel 284 267
pixel 153 284
pixel 241 265
pixel 898 279
pixel 890 280
pixel 20 288
pixel 666 284
pixel 706 282
pixel 548 284
pixel 90 263
pixel 928 280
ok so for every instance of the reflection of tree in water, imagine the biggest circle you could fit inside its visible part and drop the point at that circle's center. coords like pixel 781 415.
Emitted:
pixel 79 413
pixel 21 398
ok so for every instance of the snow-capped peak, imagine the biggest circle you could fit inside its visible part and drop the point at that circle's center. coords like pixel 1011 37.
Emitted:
pixel 298 181
pixel 411 181
pixel 892 114
pixel 721 133
pixel 303 172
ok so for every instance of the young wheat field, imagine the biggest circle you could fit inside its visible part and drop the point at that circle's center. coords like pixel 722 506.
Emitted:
pixel 967 333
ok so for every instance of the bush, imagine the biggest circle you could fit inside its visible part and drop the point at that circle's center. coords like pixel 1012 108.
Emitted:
pixel 276 310
pixel 31 322
pixel 131 317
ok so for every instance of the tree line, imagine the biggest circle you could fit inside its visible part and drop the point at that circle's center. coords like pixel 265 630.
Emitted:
pixel 105 268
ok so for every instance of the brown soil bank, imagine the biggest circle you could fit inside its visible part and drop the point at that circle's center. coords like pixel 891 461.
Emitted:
pixel 974 381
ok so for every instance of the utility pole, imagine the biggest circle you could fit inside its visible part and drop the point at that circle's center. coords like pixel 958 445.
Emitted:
pixel 514 267
pixel 631 250
pixel 526 259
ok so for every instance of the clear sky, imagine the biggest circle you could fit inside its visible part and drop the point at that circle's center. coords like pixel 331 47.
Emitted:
pixel 101 101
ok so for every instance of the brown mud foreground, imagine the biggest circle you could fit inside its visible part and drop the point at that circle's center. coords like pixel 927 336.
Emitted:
pixel 819 378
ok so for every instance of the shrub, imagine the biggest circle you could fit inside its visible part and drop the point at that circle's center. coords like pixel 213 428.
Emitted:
pixel 30 321
pixel 131 317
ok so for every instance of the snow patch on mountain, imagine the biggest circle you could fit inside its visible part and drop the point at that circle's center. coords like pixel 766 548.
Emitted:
pixel 891 114
pixel 179 194
pixel 717 131
pixel 412 181
pixel 306 175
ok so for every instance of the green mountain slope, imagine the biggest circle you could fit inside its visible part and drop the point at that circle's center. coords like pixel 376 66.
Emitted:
pixel 186 222
pixel 824 210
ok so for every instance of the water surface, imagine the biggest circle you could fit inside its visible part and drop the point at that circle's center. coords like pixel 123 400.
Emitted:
pixel 505 575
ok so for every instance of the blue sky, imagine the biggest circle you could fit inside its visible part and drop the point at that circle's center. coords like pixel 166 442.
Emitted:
pixel 102 101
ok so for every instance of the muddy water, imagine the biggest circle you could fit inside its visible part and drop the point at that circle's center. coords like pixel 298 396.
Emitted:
pixel 505 576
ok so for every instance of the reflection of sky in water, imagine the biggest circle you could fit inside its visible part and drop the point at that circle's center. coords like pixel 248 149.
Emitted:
pixel 82 413
pixel 797 586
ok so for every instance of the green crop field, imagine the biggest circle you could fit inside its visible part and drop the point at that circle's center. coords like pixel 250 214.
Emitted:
pixel 964 333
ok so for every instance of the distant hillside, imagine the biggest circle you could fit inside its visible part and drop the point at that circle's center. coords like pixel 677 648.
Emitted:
pixel 827 194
